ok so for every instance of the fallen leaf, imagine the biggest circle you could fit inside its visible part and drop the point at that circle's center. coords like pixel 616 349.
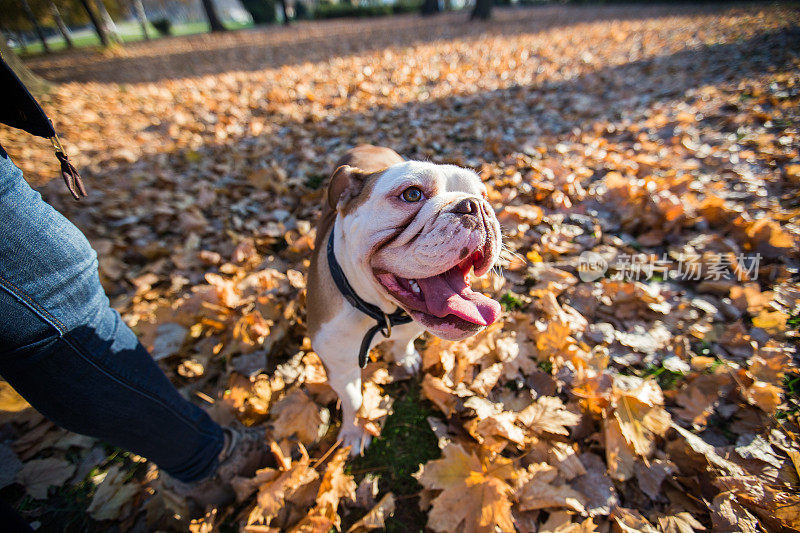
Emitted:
pixel 296 414
pixel 375 518
pixel 728 516
pixel 112 494
pixel 38 475
pixel 679 523
pixel 631 521
pixel 475 494
pixel 548 415
pixel 542 490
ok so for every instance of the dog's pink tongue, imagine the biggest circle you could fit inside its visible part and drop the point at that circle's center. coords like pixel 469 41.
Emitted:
pixel 449 294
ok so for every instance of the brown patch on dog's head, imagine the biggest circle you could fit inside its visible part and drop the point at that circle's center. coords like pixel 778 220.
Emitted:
pixel 370 158
pixel 350 187
pixel 345 180
pixel 354 170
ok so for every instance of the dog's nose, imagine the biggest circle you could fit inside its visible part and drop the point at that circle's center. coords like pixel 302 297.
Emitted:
pixel 467 206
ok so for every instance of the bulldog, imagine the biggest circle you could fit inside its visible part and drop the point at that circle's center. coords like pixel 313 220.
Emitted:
pixel 395 248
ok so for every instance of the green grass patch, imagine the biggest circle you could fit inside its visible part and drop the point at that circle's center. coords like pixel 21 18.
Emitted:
pixel 791 397
pixel 511 301
pixel 130 33
pixel 666 379
pixel 793 322
pixel 406 442
pixel 315 181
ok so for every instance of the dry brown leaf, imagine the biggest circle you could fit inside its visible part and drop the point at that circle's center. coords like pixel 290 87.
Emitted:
pixel 206 524
pixel 486 430
pixel 540 491
pixel 774 322
pixel 475 493
pixel 276 488
pixel 620 456
pixel 765 396
pixel 10 400
pixel 771 503
pixel 728 516
pixel 335 486
pixel 563 456
pixel 679 523
pixel 640 417
pixel 699 446
pixel 38 475
pixel 375 518
pixel 650 476
pixel 440 394
pixel 374 408
pixel 770 363
pixel 296 414
pixel 596 486
pixel 631 521
pixel 561 522
pixel 112 494
pixel 548 415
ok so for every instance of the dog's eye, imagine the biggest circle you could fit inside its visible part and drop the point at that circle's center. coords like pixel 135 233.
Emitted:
pixel 412 194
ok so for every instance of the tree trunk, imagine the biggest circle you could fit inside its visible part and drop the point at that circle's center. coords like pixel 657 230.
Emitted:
pixel 29 13
pixel 61 26
pixel 34 83
pixel 98 28
pixel 22 42
pixel 214 22
pixel 138 10
pixel 482 10
pixel 108 22
pixel 429 7
pixel 283 10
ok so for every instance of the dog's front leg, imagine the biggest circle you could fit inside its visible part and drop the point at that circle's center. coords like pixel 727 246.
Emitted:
pixel 348 386
pixel 402 349
pixel 337 344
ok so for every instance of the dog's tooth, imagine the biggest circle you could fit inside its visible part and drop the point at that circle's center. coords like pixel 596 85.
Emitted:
pixel 414 286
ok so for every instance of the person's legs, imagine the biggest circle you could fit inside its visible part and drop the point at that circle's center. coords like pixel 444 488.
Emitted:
pixel 71 356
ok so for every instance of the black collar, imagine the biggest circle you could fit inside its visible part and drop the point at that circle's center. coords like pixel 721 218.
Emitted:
pixel 384 321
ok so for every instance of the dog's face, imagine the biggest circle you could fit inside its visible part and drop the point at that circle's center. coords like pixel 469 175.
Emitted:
pixel 413 234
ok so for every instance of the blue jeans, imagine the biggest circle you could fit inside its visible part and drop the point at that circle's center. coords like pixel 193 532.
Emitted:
pixel 71 356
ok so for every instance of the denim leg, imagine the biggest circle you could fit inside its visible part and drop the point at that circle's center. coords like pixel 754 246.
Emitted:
pixel 71 356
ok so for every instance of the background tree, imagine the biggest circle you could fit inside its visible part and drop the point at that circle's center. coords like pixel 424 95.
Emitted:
pixel 98 27
pixel 108 22
pixel 429 7
pixel 262 11
pixel 34 20
pixel 138 11
pixel 62 27
pixel 482 10
pixel 284 12
pixel 34 83
pixel 214 22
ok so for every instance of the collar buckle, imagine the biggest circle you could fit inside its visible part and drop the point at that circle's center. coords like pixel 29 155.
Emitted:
pixel 387 331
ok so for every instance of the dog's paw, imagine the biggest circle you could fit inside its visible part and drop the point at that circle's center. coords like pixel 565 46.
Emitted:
pixel 356 439
pixel 410 362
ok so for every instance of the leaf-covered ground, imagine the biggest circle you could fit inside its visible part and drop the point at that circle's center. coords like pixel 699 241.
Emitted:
pixel 659 394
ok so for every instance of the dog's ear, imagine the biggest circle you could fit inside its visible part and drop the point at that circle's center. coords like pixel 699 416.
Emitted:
pixel 346 180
